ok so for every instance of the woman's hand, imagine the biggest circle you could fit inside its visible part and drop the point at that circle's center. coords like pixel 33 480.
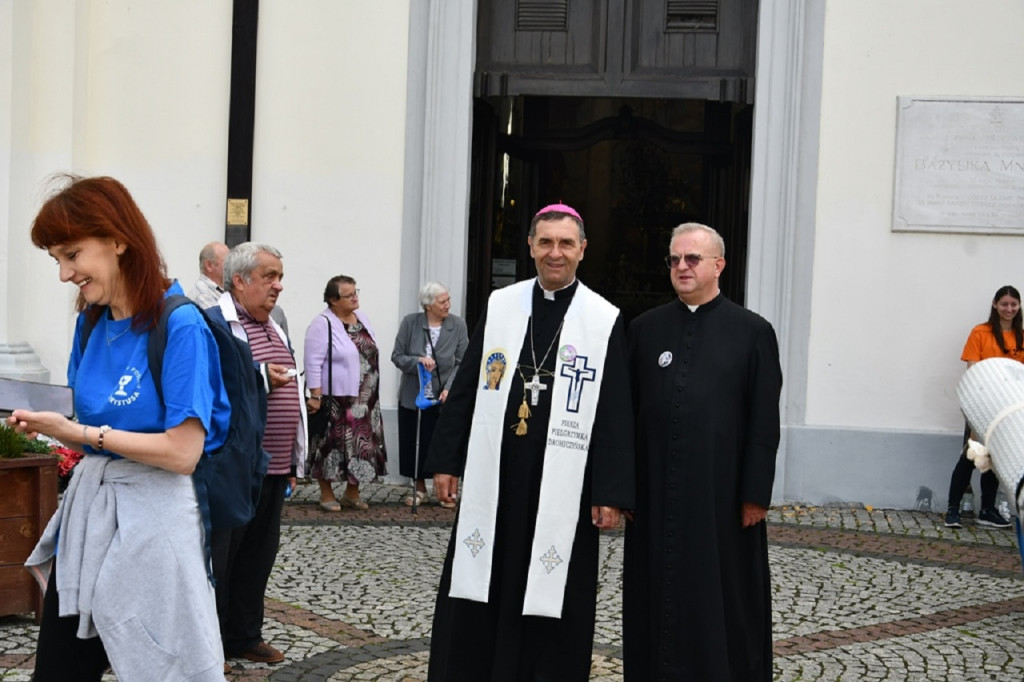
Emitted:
pixel 444 395
pixel 428 363
pixel 52 424
pixel 177 449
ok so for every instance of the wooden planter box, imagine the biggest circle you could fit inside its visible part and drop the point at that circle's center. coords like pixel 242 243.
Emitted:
pixel 28 498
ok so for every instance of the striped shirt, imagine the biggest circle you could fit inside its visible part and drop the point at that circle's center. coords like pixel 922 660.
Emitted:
pixel 283 411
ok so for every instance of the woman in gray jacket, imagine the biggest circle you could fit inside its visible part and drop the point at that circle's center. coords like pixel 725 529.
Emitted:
pixel 436 339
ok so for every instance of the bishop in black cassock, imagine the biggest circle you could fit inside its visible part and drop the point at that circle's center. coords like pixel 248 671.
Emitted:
pixel 475 641
pixel 706 386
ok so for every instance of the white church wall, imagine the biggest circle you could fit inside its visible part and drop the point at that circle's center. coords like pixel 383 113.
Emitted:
pixel 890 311
pixel 138 91
pixel 329 156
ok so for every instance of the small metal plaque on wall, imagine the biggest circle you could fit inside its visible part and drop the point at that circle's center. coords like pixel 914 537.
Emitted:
pixel 238 212
pixel 959 165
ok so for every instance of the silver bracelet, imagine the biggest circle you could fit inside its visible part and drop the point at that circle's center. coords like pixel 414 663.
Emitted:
pixel 85 434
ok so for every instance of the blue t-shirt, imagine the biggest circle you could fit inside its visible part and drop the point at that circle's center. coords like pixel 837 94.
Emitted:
pixel 113 384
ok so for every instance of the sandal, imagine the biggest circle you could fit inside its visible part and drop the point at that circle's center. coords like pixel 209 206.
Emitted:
pixel 354 504
pixel 446 505
pixel 330 505
pixel 421 497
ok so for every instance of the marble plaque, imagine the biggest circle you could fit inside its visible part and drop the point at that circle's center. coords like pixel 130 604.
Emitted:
pixel 959 165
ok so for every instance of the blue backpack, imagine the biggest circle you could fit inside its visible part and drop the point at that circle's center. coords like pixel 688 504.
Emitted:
pixel 227 480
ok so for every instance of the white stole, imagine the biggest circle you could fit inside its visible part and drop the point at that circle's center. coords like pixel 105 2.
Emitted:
pixel 579 370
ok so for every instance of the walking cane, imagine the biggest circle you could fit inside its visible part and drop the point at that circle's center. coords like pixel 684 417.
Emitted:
pixel 422 403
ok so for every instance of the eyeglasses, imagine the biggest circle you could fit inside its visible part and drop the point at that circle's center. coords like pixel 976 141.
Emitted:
pixel 692 260
pixel 354 294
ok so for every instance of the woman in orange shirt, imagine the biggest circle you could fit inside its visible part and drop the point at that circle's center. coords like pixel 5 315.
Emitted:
pixel 1001 336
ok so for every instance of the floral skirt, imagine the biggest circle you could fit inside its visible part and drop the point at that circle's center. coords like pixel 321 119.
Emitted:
pixel 353 448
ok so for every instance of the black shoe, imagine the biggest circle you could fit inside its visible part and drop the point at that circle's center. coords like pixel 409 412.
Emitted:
pixel 992 518
pixel 953 518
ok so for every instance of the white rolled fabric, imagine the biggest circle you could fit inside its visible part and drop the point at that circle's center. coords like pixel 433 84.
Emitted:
pixel 991 395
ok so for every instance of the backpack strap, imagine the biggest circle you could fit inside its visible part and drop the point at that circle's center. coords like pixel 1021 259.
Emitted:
pixel 158 338
pixel 87 328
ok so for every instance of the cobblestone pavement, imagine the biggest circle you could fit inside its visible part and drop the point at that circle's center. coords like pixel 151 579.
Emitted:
pixel 859 594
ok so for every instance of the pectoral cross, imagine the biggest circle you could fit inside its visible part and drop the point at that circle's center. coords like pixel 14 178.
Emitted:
pixel 534 386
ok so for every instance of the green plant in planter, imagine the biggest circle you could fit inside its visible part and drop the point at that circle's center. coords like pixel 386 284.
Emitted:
pixel 14 444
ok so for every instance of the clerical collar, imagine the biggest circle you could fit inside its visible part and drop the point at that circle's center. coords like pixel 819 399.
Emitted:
pixel 556 294
pixel 709 304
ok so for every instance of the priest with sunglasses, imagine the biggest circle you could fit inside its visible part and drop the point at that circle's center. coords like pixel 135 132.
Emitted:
pixel 706 385
pixel 539 427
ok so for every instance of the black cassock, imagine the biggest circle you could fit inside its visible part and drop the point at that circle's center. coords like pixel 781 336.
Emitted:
pixel 697 591
pixel 476 642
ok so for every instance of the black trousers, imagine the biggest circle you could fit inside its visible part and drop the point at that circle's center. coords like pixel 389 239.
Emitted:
pixel 242 561
pixel 407 440
pixel 60 654
pixel 961 478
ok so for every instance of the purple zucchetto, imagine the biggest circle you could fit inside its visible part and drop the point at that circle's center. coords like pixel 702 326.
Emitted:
pixel 560 208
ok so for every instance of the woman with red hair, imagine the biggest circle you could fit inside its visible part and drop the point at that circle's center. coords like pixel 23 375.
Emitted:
pixel 128 587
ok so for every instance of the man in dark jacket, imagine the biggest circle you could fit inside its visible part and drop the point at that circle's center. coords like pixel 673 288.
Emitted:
pixel 706 385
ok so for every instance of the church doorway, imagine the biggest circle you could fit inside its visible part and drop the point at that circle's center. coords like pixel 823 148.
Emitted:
pixel 634 168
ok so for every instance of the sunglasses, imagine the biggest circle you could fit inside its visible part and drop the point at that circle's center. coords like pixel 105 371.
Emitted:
pixel 692 260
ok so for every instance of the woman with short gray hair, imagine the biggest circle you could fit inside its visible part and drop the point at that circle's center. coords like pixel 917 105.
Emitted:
pixel 437 340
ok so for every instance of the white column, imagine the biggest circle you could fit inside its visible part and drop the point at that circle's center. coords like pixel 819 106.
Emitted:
pixel 442 56
pixel 17 359
pixel 42 79
pixel 783 190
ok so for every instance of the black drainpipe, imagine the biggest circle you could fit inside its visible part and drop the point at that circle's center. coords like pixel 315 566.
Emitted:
pixel 241 118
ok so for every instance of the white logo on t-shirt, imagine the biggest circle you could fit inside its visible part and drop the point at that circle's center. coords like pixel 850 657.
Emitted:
pixel 120 392
pixel 127 391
